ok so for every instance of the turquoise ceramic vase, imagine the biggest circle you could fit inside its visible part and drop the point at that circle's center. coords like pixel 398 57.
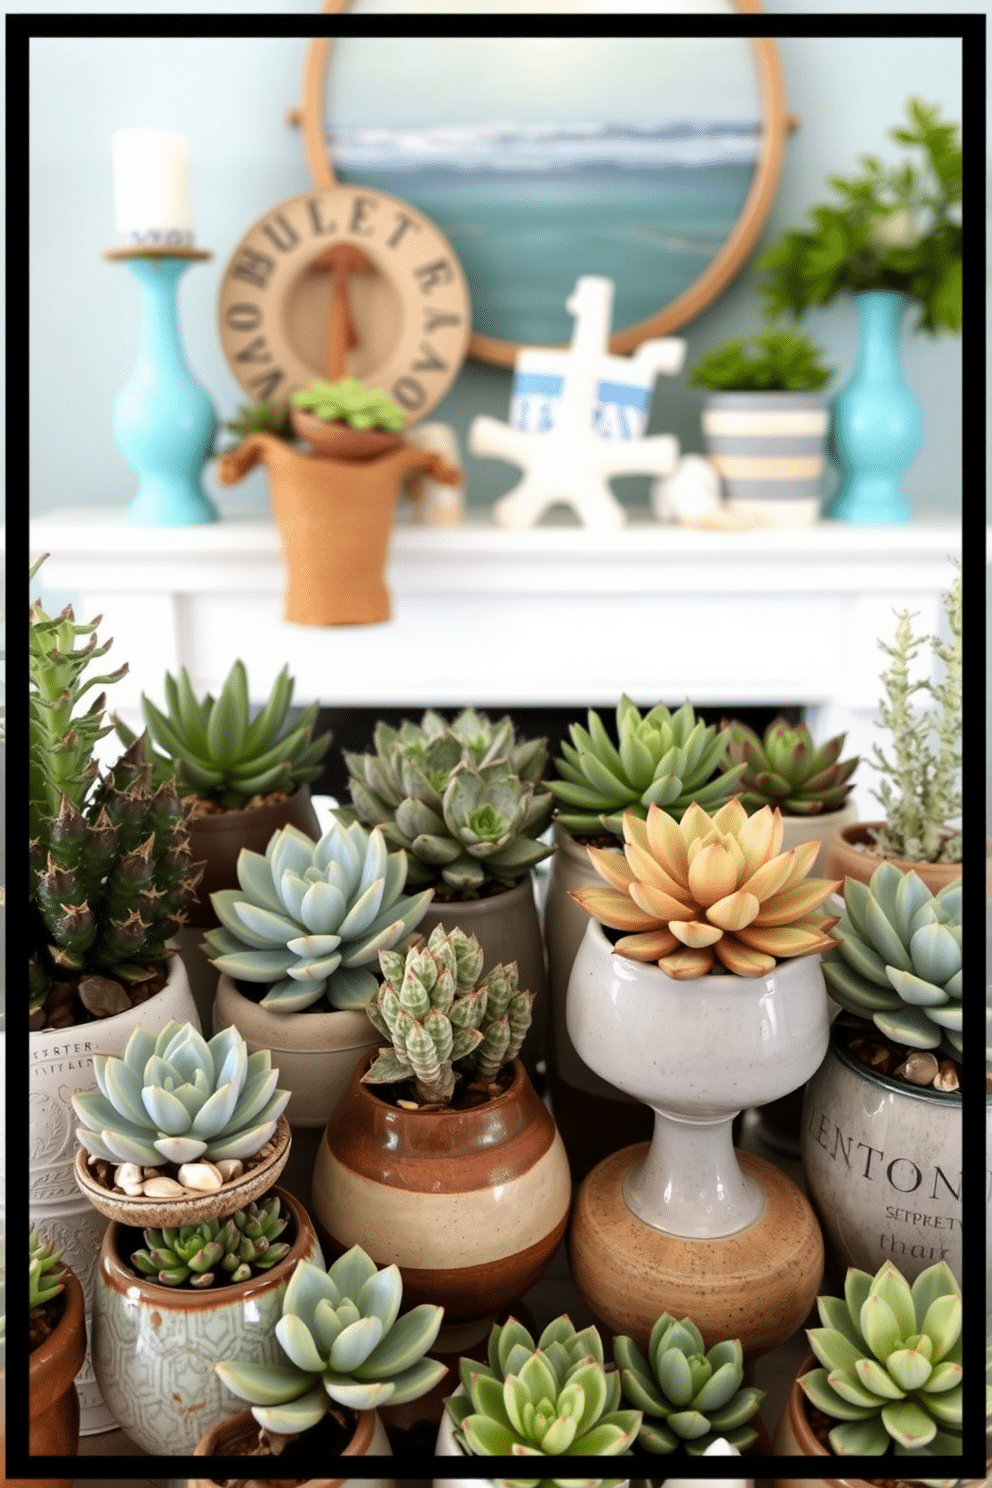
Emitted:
pixel 876 423
pixel 164 421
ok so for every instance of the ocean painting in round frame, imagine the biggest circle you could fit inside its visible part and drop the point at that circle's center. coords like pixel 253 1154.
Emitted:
pixel 544 158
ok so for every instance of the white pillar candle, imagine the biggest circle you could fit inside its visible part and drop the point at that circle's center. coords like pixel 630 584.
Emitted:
pixel 151 187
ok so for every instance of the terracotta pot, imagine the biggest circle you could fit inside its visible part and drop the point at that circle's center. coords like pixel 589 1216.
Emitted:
pixel 154 1347
pixel 339 440
pixel 470 1205
pixel 235 1436
pixel 53 1399
pixel 60 1064
pixel 844 859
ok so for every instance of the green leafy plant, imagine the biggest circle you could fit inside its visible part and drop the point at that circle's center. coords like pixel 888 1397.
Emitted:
pixel 898 959
pixel 219 753
pixel 46 1278
pixel 710 890
pixel 891 227
pixel 263 417
pixel 767 362
pixel 663 759
pixel 244 1245
pixel 310 917
pixel 344 1341
pixel 553 1399
pixel 890 1357
pixel 920 786
pixel 351 402
pixel 690 1395
pixel 461 798
pixel 437 1013
pixel 785 768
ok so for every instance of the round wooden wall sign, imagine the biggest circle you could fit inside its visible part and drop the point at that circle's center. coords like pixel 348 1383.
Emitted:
pixel 345 282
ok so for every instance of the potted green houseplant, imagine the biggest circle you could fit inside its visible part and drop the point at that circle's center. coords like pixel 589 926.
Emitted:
pixel 440 1156
pixel 346 419
pixel 891 238
pixel 765 422
pixel 57 1340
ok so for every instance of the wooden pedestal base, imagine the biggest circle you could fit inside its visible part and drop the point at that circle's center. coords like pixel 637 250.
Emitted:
pixel 757 1285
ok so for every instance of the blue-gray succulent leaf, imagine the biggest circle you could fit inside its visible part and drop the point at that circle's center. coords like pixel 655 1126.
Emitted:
pixel 289 996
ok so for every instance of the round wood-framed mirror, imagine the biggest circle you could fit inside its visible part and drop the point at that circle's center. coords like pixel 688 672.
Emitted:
pixel 681 203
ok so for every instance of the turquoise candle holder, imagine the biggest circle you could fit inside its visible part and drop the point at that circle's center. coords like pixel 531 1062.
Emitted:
pixel 164 421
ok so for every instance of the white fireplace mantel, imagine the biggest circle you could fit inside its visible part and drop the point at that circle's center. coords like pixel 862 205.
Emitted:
pixel 555 615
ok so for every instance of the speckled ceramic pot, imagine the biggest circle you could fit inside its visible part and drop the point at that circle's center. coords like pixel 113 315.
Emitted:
pixel 470 1205
pixel 235 1436
pixel 53 1399
pixel 154 1347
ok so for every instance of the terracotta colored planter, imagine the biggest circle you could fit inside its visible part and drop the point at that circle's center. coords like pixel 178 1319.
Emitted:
pixel 154 1347
pixel 339 440
pixel 235 1436
pixel 470 1205
pixel 54 1403
pixel 844 860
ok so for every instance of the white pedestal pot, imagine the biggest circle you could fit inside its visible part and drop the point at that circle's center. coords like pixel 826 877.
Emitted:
pixel 696 1052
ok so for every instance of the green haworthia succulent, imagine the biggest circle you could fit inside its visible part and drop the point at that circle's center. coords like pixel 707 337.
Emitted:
pixel 437 1013
pixel 344 1341
pixel 46 1278
pixel 555 1399
pixel 352 402
pixel 785 768
pixel 898 960
pixel 231 1250
pixel 310 917
pixel 218 752
pixel 690 1395
pixel 174 1098
pixel 461 798
pixel 890 1357
pixel 663 759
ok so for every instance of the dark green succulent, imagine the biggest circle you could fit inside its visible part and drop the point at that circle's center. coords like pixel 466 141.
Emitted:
pixel 231 1250
pixel 785 768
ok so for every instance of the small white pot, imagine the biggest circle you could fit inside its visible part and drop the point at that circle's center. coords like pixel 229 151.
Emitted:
pixel 799 829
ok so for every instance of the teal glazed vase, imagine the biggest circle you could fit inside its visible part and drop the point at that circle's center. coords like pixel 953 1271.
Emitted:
pixel 163 420
pixel 876 425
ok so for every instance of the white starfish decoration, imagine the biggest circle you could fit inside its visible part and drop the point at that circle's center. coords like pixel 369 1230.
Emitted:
pixel 571 462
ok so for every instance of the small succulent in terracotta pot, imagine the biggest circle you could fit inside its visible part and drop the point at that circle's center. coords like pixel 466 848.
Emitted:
pixel 57 1340
pixel 346 418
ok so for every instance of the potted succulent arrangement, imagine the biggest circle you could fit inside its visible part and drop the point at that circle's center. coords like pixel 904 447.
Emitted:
pixel 57 1341
pixel 892 239
pixel 440 1157
pixel 664 758
pixel 709 1000
pixel 765 423
pixel 345 1351
pixel 346 419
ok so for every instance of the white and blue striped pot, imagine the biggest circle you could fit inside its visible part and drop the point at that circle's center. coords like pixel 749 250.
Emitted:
pixel 768 449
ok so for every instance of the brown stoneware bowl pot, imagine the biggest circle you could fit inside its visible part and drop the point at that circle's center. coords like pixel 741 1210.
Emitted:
pixel 471 1205
pixel 54 1403
pixel 237 1435
pixel 844 859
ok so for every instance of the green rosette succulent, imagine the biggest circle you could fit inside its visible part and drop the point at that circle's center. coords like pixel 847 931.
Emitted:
pixel 174 1098
pixel 690 1395
pixel 310 917
pixel 555 1399
pixel 344 1341
pixel 898 958
pixel 785 768
pixel 663 759
pixel 890 1357
pixel 244 1245
pixel 437 1013
pixel 462 799
pixel 351 402
pixel 46 1278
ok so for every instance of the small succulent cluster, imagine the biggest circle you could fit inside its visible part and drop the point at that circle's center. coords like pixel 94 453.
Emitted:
pixel 230 1250
pixel 890 1357
pixel 351 402
pixel 310 917
pixel 707 889
pixel 263 417
pixel 218 753
pixel 553 1399
pixel 691 1396
pixel 663 759
pixel 46 1278
pixel 175 1098
pixel 785 768
pixel 461 798
pixel 437 1013
pixel 898 959
pixel 769 361
pixel 344 1341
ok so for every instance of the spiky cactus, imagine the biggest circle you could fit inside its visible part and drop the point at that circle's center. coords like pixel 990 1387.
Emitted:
pixel 663 759
pixel 785 768
pixel 344 1341
pixel 438 1014
pixel 898 958
pixel 310 917
pixel 218 753
pixel 46 1278
pixel 690 1395
pixel 710 889
pixel 461 798
pixel 231 1250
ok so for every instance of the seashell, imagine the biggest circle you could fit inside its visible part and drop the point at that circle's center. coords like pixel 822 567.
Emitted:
pixel 230 1168
pixel 163 1188
pixel 201 1176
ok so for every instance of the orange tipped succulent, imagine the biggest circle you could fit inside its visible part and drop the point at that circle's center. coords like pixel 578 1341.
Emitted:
pixel 710 889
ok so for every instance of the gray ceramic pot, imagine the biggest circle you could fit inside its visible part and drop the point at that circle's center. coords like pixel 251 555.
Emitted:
pixel 768 450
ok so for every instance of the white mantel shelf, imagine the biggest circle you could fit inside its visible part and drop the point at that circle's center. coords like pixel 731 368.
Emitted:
pixel 555 615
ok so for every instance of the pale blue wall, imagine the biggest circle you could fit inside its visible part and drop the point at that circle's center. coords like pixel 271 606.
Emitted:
pixel 230 97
